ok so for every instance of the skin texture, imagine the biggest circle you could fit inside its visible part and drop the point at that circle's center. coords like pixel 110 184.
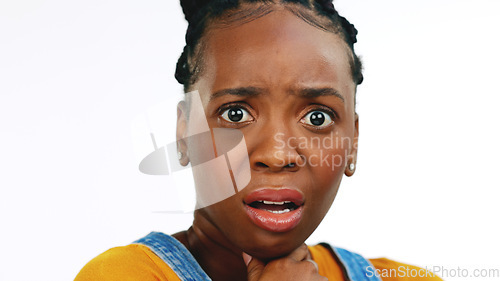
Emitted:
pixel 281 58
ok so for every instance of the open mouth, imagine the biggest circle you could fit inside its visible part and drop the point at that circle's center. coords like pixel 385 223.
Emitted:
pixel 278 207
pixel 276 210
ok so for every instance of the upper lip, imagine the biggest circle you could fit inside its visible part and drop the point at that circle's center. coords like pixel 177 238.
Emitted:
pixel 275 195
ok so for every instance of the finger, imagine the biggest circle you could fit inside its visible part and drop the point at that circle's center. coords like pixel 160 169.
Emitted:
pixel 313 263
pixel 254 267
pixel 300 254
pixel 309 256
pixel 246 258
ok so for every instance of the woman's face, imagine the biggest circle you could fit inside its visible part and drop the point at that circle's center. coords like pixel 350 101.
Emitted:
pixel 286 85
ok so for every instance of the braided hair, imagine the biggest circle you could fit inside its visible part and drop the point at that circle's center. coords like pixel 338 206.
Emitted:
pixel 202 13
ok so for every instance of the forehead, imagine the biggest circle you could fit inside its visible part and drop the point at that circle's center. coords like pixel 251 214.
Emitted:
pixel 276 50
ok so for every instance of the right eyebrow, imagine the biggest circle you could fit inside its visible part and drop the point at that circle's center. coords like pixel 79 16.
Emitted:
pixel 240 92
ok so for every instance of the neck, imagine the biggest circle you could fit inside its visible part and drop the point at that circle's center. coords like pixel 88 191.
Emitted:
pixel 220 259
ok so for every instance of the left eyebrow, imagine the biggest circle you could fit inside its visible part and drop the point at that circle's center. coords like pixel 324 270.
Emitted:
pixel 319 92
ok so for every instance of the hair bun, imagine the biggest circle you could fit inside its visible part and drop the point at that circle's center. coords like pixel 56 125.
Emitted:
pixel 352 32
pixel 191 7
pixel 327 6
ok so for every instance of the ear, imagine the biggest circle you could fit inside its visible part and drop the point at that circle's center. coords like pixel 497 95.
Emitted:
pixel 182 115
pixel 353 154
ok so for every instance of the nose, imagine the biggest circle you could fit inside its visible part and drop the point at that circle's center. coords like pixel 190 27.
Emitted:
pixel 275 151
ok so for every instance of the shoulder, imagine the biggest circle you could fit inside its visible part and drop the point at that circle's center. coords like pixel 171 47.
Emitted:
pixel 337 260
pixel 390 270
pixel 131 262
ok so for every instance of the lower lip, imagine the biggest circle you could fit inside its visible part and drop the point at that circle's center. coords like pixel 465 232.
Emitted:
pixel 274 222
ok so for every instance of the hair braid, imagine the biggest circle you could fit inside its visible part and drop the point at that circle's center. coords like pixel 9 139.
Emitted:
pixel 199 12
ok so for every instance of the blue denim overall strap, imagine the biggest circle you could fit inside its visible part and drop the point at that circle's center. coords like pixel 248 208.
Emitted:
pixel 180 260
pixel 175 255
pixel 357 267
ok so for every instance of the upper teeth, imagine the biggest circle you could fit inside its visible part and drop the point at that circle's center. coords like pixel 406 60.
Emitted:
pixel 279 211
pixel 275 203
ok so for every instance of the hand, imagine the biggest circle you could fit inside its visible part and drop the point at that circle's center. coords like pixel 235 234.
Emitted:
pixel 298 265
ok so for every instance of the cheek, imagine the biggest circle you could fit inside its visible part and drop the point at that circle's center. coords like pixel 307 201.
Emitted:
pixel 233 224
pixel 220 165
pixel 327 167
pixel 210 152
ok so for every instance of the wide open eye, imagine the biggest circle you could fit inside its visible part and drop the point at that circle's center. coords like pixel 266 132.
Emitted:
pixel 318 119
pixel 236 114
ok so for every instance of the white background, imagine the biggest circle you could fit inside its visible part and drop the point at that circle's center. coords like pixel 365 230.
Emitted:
pixel 74 74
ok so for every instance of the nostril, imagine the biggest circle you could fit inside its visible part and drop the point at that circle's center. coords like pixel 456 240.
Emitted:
pixel 292 167
pixel 289 166
pixel 261 165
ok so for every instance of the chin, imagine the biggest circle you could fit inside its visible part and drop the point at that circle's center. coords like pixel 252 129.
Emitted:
pixel 266 245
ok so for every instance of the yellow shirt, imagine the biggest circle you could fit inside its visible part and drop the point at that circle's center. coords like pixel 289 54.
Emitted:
pixel 138 262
